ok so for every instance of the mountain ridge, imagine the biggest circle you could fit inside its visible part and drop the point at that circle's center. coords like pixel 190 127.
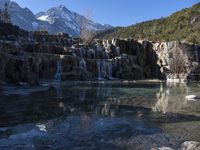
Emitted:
pixel 56 21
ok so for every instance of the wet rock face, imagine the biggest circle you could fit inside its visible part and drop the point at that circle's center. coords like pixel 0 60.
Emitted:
pixel 43 48
pixel 76 74
pixel 74 70
pixel 15 69
pixel 140 60
pixel 129 47
pixel 36 56
pixel 29 69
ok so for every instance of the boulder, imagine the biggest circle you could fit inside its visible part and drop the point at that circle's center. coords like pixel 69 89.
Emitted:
pixel 190 145
pixel 191 97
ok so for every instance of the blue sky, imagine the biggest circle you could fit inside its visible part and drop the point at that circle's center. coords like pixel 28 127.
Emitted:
pixel 114 12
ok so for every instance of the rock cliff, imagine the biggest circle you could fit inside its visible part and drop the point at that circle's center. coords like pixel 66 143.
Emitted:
pixel 37 55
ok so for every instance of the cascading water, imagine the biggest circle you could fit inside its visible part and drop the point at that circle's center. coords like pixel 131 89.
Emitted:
pixel 58 78
pixel 82 52
pixel 104 68
pixel 109 66
pixel 99 69
pixel 92 54
pixel 82 64
pixel 59 71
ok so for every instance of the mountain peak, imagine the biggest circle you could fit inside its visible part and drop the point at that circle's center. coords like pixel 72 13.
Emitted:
pixel 64 20
pixel 62 7
pixel 14 4
pixel 55 20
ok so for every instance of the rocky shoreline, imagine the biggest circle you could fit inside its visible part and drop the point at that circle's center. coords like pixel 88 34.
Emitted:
pixel 33 56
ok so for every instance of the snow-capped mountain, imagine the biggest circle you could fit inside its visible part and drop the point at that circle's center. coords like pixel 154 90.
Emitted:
pixel 23 17
pixel 55 20
pixel 62 19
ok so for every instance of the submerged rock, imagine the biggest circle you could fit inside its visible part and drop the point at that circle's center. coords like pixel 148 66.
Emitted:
pixel 190 145
pixel 191 97
pixel 165 148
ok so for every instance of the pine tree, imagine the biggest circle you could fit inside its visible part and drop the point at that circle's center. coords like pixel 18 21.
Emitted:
pixel 6 11
pixel 4 14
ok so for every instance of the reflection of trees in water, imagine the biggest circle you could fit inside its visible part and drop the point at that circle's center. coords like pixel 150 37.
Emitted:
pixel 98 97
pixel 171 98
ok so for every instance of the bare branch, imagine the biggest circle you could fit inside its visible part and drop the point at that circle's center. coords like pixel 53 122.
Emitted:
pixel 178 63
pixel 85 31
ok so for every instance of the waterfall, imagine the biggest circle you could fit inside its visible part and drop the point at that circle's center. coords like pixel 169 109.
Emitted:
pixel 92 54
pixel 109 66
pixel 59 71
pixel 104 68
pixel 82 64
pixel 82 52
pixel 196 53
pixel 58 78
pixel 99 69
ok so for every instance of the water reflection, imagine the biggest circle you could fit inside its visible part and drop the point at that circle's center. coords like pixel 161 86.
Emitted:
pixel 102 98
pixel 102 115
pixel 171 98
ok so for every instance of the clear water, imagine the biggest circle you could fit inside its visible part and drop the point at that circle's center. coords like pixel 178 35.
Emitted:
pixel 98 115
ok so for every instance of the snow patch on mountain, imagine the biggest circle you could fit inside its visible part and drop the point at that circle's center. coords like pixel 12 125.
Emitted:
pixel 55 20
pixel 43 18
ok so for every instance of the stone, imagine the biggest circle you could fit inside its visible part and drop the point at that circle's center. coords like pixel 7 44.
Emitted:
pixel 76 74
pixel 191 97
pixel 34 56
pixel 176 59
pixel 165 148
pixel 190 145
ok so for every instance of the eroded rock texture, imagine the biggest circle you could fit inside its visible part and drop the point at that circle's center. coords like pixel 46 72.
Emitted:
pixel 36 56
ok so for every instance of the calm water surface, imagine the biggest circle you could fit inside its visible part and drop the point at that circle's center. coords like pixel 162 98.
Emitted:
pixel 98 115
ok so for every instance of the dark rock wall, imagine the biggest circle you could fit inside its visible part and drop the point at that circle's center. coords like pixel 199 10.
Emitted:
pixel 36 57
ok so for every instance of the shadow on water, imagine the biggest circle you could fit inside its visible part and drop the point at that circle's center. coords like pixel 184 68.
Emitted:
pixel 95 113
